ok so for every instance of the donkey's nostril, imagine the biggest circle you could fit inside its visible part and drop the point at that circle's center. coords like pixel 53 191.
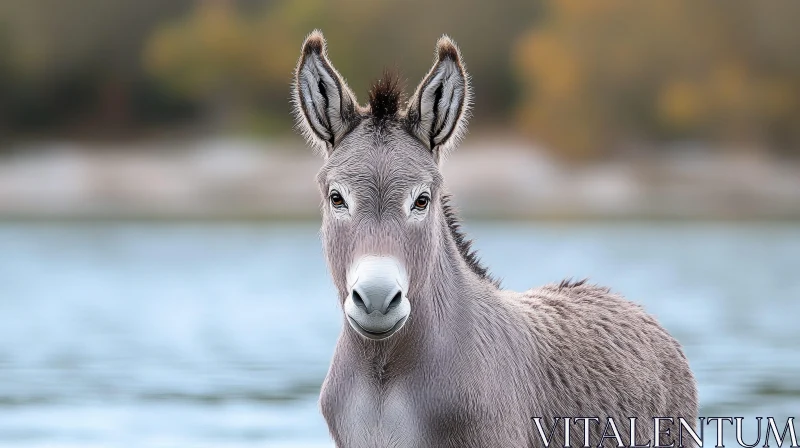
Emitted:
pixel 358 300
pixel 395 301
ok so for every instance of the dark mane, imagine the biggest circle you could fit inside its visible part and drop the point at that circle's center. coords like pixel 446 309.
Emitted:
pixel 384 96
pixel 465 245
pixel 568 283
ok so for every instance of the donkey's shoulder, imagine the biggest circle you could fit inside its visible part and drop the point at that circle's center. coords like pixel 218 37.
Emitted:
pixel 591 316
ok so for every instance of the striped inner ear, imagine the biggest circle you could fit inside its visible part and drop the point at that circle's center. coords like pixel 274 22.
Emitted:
pixel 320 97
pixel 441 101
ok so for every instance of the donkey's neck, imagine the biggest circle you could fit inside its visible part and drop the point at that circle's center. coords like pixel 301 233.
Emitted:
pixel 452 286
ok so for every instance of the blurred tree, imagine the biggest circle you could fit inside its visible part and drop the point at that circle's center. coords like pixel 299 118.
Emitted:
pixel 239 61
pixel 205 56
pixel 232 61
pixel 5 81
pixel 93 65
pixel 76 65
pixel 586 77
pixel 597 75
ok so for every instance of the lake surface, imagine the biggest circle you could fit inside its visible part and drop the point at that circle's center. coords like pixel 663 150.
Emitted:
pixel 188 335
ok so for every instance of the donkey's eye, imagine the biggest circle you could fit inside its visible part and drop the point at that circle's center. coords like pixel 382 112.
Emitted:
pixel 421 203
pixel 337 200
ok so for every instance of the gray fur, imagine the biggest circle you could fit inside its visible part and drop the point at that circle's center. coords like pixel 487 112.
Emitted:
pixel 474 362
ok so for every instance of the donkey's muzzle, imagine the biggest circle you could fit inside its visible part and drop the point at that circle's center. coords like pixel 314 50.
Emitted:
pixel 377 306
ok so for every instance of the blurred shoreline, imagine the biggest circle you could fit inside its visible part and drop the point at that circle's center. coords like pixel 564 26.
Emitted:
pixel 489 178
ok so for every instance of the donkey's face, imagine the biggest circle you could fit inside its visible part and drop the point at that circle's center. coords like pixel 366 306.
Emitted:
pixel 380 184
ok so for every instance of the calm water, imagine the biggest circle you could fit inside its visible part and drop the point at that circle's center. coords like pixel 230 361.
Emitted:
pixel 189 335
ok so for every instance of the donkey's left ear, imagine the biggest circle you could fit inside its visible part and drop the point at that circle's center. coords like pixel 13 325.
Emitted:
pixel 325 108
pixel 438 111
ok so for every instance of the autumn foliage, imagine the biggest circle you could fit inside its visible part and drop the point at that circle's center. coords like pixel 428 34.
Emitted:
pixel 588 79
pixel 600 75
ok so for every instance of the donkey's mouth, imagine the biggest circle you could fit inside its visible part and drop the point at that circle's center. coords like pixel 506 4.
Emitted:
pixel 376 335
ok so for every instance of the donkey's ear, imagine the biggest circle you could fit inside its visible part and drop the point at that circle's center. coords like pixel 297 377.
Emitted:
pixel 438 111
pixel 325 108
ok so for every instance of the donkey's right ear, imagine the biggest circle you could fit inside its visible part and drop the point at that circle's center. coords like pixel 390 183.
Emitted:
pixel 325 108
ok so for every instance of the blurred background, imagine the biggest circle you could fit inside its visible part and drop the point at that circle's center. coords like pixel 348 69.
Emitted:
pixel 159 215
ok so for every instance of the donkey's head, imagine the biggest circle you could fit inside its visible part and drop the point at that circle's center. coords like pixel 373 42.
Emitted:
pixel 384 216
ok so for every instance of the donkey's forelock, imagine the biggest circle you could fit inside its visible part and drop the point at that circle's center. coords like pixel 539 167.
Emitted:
pixel 385 97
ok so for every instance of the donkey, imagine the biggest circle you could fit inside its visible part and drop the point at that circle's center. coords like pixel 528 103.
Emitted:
pixel 433 353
